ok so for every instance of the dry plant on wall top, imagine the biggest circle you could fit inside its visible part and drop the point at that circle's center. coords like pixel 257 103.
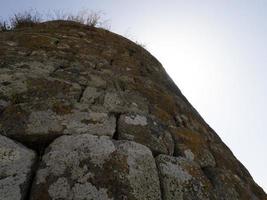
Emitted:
pixel 86 17
pixel 32 17
pixel 25 19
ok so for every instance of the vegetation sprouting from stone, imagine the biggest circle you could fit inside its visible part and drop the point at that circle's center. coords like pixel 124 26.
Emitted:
pixel 31 17
pixel 3 26
pixel 25 19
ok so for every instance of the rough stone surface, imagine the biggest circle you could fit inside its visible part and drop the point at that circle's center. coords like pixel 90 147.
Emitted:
pixel 38 124
pixel 91 167
pixel 96 108
pixel 16 164
pixel 182 179
pixel 193 146
pixel 147 131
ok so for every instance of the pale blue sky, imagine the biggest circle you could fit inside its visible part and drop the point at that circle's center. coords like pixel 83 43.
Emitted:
pixel 216 52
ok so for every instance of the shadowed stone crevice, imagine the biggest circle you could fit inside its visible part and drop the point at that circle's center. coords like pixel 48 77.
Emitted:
pixel 176 151
pixel 111 62
pixel 131 52
pixel 116 134
pixel 56 41
pixel 161 182
pixel 34 169
pixel 83 87
pixel 208 174
pixel 57 68
pixel 33 143
pixel 39 147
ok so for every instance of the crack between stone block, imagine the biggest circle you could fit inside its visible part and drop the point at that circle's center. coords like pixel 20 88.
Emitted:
pixel 173 141
pixel 111 62
pixel 116 134
pixel 40 152
pixel 57 68
pixel 38 147
pixel 34 169
pixel 83 87
pixel 160 181
pixel 206 173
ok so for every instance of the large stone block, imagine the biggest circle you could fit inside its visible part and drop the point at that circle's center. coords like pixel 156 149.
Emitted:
pixel 16 163
pixel 39 124
pixel 125 102
pixel 96 168
pixel 147 131
pixel 182 179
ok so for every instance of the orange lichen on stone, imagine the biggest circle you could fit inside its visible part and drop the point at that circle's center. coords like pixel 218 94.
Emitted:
pixel 192 145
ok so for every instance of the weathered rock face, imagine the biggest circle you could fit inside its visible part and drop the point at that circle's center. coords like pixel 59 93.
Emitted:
pixel 105 121
pixel 87 167
pixel 16 169
pixel 183 179
pixel 147 131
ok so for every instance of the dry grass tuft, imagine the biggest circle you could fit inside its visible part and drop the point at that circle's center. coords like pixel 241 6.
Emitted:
pixel 25 19
pixel 3 26
pixel 85 17
pixel 32 17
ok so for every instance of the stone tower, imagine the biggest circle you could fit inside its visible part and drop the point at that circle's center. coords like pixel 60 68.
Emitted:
pixel 86 114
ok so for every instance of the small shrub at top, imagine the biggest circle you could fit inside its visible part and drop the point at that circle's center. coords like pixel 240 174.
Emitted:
pixel 25 19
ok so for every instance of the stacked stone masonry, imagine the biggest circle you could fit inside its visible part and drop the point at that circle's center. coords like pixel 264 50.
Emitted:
pixel 86 114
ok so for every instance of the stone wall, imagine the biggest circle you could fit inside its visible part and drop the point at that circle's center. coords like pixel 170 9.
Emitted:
pixel 86 114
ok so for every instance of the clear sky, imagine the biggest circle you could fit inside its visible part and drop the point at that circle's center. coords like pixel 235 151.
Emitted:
pixel 215 51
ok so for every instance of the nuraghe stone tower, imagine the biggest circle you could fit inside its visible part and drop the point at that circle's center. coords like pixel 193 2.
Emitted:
pixel 86 114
